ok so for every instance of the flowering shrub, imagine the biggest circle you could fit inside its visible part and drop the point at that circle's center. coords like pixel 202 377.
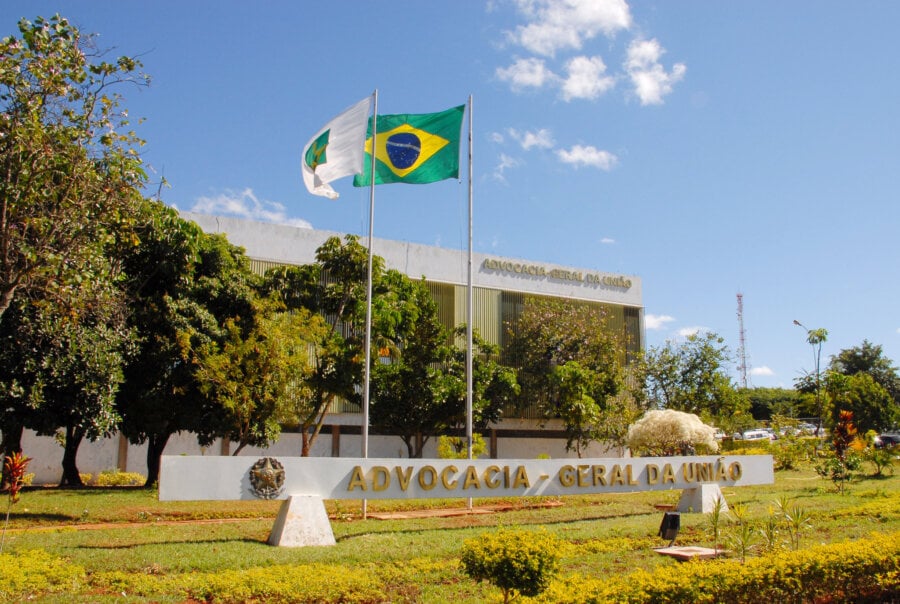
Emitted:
pixel 867 570
pixel 515 561
pixel 669 432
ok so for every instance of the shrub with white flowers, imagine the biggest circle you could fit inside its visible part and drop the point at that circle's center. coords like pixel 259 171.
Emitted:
pixel 669 432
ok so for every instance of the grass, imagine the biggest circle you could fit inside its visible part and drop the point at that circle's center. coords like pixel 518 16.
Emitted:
pixel 104 530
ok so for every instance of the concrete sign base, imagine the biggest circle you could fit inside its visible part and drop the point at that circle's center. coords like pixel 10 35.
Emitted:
pixel 302 520
pixel 701 499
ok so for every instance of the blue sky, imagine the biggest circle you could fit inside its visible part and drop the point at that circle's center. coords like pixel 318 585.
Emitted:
pixel 710 148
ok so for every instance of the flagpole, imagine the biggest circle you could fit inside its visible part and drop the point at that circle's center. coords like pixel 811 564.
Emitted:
pixel 469 313
pixel 364 445
pixel 469 304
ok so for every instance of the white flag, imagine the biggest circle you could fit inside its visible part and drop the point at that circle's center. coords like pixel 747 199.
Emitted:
pixel 337 150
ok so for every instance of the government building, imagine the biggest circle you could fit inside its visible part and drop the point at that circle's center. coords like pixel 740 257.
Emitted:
pixel 501 287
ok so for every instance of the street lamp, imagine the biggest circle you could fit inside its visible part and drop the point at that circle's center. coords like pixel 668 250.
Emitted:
pixel 815 337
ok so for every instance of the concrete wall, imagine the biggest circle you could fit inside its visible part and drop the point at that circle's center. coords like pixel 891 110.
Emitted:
pixel 115 453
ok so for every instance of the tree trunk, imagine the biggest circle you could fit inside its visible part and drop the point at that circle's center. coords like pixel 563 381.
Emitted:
pixel 155 446
pixel 11 443
pixel 12 438
pixel 304 447
pixel 70 476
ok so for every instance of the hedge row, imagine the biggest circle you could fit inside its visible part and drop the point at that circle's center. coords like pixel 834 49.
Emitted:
pixel 867 570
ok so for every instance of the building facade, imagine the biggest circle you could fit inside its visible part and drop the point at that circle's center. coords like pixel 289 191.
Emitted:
pixel 501 287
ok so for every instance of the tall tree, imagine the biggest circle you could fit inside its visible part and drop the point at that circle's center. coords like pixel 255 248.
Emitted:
pixel 766 402
pixel 183 286
pixel 68 167
pixel 546 337
pixel 869 358
pixel 334 287
pixel 410 387
pixel 691 376
pixel 872 406
pixel 255 375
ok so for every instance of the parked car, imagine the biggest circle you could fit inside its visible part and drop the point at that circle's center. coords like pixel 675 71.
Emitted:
pixel 761 434
pixel 887 440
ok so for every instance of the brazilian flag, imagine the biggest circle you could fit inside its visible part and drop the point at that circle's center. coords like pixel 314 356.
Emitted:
pixel 415 148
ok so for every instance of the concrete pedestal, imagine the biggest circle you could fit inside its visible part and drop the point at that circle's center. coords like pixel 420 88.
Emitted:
pixel 701 499
pixel 302 520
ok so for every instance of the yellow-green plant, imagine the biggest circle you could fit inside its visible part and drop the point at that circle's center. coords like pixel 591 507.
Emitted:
pixel 116 478
pixel 456 447
pixel 518 562
pixel 715 517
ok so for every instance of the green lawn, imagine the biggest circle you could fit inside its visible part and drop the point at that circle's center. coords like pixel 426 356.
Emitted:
pixel 157 544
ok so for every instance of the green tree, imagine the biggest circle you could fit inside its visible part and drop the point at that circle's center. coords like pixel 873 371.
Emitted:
pixel 869 358
pixel 183 286
pixel 253 376
pixel 410 387
pixel 69 172
pixel 768 402
pixel 872 406
pixel 811 383
pixel 62 364
pixel 591 397
pixel 333 287
pixel 691 376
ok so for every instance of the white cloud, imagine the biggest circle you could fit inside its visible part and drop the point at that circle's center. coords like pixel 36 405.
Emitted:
pixel 558 24
pixel 607 240
pixel 542 139
pixel 692 330
pixel 586 79
pixel 246 205
pixel 650 79
pixel 761 371
pixel 581 155
pixel 527 73
pixel 657 321
pixel 496 137
pixel 506 163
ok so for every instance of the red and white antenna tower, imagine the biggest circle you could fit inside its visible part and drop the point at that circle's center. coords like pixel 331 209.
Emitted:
pixel 742 350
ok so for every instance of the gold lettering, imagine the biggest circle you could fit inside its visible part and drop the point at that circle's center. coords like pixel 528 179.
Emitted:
pixel 631 479
pixel 403 476
pixel 357 479
pixel 704 472
pixel 668 474
pixel 489 477
pixel 583 475
pixel 381 478
pixel 427 478
pixel 689 472
pixel 445 480
pixel 505 477
pixel 521 479
pixel 616 477
pixel 735 471
pixel 599 475
pixel 471 479
pixel 567 476
pixel 652 473
pixel 721 475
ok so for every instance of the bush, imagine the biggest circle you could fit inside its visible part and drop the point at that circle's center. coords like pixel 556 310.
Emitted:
pixel 514 561
pixel 861 571
pixel 33 572
pixel 115 478
pixel 670 432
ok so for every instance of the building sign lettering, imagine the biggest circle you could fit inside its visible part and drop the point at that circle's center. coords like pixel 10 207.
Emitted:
pixel 536 270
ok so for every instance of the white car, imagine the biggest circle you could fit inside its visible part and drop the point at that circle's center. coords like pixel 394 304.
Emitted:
pixel 757 435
